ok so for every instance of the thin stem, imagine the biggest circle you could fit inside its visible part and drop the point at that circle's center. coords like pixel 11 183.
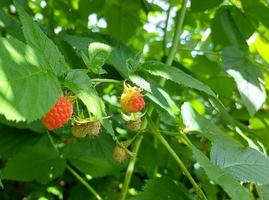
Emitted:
pixel 178 30
pixel 179 26
pixel 97 196
pixel 105 80
pixel 165 28
pixel 52 142
pixel 197 188
pixel 82 181
pixel 130 168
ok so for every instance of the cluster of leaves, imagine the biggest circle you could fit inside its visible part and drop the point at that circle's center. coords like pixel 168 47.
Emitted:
pixel 209 107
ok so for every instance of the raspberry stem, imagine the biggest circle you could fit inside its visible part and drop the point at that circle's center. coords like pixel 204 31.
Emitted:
pixel 130 168
pixel 82 181
pixel 73 172
pixel 159 136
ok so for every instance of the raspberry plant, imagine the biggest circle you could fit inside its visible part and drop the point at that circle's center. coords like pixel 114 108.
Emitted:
pixel 134 100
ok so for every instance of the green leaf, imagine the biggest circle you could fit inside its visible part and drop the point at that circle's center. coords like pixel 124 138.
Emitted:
pixel 124 22
pixel 47 52
pixel 225 31
pixel 222 85
pixel 248 77
pixel 245 164
pixel 98 54
pixel 221 177
pixel 38 162
pixel 203 67
pixel 24 84
pixel 13 140
pixel 161 189
pixel 263 191
pixel 245 27
pixel 197 5
pixel 80 84
pixel 256 11
pixel 175 75
pixel 195 122
pixel 11 25
pixel 155 93
pixel 118 55
pixel 93 156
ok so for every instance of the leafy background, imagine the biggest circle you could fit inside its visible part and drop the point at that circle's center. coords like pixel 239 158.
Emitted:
pixel 208 101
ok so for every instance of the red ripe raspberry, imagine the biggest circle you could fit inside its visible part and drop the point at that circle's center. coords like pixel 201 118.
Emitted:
pixel 132 100
pixel 58 115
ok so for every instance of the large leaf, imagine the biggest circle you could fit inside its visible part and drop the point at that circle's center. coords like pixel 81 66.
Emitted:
pixel 80 84
pixel 27 91
pixel 248 77
pixel 161 189
pixel 221 177
pixel 175 75
pixel 38 162
pixel 93 156
pixel 245 164
pixel 47 52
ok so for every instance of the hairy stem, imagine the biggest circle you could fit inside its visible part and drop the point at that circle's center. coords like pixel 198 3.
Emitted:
pixel 158 135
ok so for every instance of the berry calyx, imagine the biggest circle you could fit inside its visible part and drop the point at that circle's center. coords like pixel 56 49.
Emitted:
pixel 133 125
pixel 82 128
pixel 132 100
pixel 120 153
pixel 133 121
pixel 58 115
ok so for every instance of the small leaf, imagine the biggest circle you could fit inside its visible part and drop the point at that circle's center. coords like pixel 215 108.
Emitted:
pixel 80 84
pixel 249 79
pixel 98 54
pixel 118 55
